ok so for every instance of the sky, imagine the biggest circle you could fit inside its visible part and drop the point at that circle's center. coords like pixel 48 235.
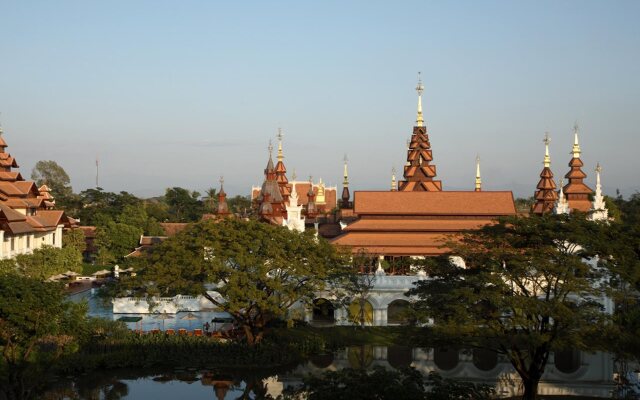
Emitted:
pixel 179 93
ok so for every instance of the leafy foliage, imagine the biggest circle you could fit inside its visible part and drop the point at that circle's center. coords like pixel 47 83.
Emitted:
pixel 48 261
pixel 56 178
pixel 260 270
pixel 526 290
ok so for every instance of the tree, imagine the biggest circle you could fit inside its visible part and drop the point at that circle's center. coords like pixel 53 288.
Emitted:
pixel 239 204
pixel 37 326
pixel 74 238
pixel 115 240
pixel 260 270
pixel 55 177
pixel 184 206
pixel 526 290
pixel 352 288
pixel 210 199
pixel 48 261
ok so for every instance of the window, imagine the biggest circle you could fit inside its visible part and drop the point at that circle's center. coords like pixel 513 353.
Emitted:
pixel 28 242
pixel 13 244
pixel 54 238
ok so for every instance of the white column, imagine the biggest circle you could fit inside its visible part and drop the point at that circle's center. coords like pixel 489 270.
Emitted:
pixel 2 257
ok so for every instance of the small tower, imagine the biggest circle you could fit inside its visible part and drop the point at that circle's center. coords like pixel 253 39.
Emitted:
pixel 394 186
pixel 270 191
pixel 312 210
pixel 576 191
pixel 418 173
pixel 320 196
pixel 562 206
pixel 345 187
pixel 281 170
pixel 295 220
pixel 223 208
pixel 546 196
pixel 478 179
pixel 599 210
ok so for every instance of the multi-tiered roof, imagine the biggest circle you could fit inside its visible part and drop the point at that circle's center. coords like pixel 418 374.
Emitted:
pixel 546 195
pixel 576 192
pixel 24 208
pixel 419 174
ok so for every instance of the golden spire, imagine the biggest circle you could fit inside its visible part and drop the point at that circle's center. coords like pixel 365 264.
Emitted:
pixel 394 187
pixel 345 182
pixel 547 159
pixel 280 155
pixel 419 89
pixel 478 179
pixel 576 145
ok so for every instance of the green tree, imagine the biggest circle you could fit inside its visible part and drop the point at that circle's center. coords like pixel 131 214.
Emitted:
pixel 55 177
pixel 239 204
pixel 37 326
pixel 74 238
pixel 115 240
pixel 184 205
pixel 260 270
pixel 48 261
pixel 210 199
pixel 526 290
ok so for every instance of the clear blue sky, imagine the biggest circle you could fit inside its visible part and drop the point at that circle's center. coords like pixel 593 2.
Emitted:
pixel 178 93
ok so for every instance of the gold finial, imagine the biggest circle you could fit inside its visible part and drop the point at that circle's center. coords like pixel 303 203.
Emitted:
pixel 576 145
pixel 280 135
pixel 547 159
pixel 419 89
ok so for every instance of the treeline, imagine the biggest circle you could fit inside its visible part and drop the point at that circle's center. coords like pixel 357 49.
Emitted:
pixel 120 218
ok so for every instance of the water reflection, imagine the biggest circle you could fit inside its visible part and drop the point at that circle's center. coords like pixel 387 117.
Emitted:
pixel 592 376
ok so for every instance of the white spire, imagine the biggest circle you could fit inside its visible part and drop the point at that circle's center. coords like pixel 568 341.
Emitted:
pixel 576 144
pixel 280 135
pixel 293 197
pixel 394 186
pixel 547 159
pixel 599 207
pixel 345 182
pixel 478 179
pixel 419 89
pixel 562 205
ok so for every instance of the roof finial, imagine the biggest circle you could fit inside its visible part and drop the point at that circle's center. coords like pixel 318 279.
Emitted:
pixel 478 179
pixel 576 145
pixel 394 186
pixel 419 89
pixel 598 170
pixel 547 159
pixel 280 135
pixel 270 148
pixel 345 182
pixel 221 180
pixel 293 175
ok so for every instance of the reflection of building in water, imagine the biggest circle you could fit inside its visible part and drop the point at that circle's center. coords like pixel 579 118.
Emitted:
pixel 572 373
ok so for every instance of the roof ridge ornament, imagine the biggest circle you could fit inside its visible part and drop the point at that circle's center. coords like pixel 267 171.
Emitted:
pixel 420 90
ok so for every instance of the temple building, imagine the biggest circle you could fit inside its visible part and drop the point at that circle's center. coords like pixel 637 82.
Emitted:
pixel 271 200
pixel 577 193
pixel 419 217
pixel 545 197
pixel 28 218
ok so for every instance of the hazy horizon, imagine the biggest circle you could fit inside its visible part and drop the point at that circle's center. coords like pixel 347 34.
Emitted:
pixel 177 94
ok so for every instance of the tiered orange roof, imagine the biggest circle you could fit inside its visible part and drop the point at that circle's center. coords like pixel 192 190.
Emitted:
pixel 281 172
pixel 418 173
pixel 576 192
pixel 546 195
pixel 419 223
pixel 24 207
